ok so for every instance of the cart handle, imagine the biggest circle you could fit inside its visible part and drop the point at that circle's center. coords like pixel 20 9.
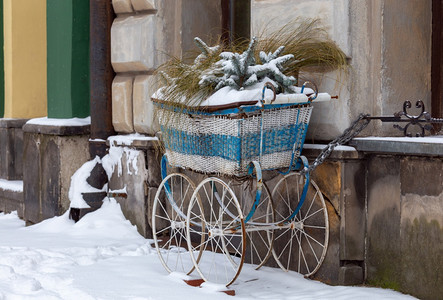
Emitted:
pixel 269 86
pixel 310 98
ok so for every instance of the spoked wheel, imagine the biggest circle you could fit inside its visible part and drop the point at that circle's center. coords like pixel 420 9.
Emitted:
pixel 300 243
pixel 260 236
pixel 169 222
pixel 215 225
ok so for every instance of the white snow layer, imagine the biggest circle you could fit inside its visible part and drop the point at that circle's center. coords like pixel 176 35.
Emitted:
pixel 11 185
pixel 435 139
pixel 60 122
pixel 228 95
pixel 110 161
pixel 103 257
pixel 80 185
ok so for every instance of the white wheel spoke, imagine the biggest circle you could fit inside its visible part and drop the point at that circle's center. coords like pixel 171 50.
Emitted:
pixel 174 191
pixel 314 212
pixel 218 259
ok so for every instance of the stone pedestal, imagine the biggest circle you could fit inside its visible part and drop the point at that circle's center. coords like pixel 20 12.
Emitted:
pixel 11 150
pixel 11 165
pixel 51 156
pixel 342 180
pixel 139 172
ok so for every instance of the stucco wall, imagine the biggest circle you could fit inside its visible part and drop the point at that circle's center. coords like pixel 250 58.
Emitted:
pixel 25 58
pixel 389 45
pixel 143 38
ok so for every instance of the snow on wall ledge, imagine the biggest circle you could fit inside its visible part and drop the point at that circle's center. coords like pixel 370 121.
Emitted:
pixel 45 121
pixel 11 185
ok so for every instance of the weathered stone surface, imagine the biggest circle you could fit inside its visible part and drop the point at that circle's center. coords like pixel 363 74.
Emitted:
pixel 143 4
pixel 50 161
pixel 133 178
pixel 328 270
pixel 152 191
pixel 143 108
pixel 351 275
pixel 74 152
pixel 328 178
pixel 50 179
pixel 353 211
pixel 11 150
pixel 153 157
pixel 122 104
pixel 57 130
pixel 422 176
pixel 133 44
pixel 11 201
pixel 122 6
pixel 32 177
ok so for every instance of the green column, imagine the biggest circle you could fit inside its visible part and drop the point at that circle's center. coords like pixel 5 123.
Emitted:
pixel 2 65
pixel 68 58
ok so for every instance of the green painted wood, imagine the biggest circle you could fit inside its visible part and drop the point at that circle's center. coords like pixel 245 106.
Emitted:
pixel 2 65
pixel 68 58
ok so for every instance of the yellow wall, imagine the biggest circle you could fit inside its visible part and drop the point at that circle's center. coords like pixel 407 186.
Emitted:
pixel 25 58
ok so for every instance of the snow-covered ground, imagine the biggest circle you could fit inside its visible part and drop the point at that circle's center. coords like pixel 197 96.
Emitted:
pixel 103 257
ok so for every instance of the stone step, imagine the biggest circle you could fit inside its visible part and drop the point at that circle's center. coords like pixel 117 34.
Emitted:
pixel 11 196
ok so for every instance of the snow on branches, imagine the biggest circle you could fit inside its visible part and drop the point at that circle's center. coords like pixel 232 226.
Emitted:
pixel 241 70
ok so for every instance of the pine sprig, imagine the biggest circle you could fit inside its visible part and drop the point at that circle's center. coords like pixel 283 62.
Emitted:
pixel 235 68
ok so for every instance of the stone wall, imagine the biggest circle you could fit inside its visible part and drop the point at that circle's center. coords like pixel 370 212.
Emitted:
pixel 405 224
pixel 51 155
pixel 404 215
pixel 11 164
pixel 138 173
pixel 145 34
pixel 375 35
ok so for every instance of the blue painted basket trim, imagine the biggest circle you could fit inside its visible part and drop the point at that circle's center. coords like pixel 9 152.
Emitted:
pixel 235 148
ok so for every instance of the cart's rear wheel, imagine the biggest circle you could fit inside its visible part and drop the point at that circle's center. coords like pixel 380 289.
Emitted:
pixel 215 225
pixel 260 236
pixel 300 244
pixel 169 222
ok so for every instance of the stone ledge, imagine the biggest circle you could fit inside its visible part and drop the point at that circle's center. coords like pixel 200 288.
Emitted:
pixel 134 141
pixel 421 146
pixel 12 201
pixel 62 130
pixel 340 152
pixel 12 123
pixel 14 195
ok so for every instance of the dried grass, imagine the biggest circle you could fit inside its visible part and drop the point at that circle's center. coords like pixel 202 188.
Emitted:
pixel 306 39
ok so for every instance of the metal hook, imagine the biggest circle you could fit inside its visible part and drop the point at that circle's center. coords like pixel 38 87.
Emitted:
pixel 310 98
pixel 271 86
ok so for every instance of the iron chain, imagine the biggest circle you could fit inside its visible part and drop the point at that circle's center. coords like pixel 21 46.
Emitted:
pixel 352 131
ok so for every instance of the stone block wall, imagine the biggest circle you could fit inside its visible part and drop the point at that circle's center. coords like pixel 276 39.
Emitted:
pixel 145 34
pixel 11 165
pixel 11 137
pixel 405 224
pixel 342 179
pixel 138 172
pixel 51 155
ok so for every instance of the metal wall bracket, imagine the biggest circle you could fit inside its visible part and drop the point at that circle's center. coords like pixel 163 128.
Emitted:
pixel 423 121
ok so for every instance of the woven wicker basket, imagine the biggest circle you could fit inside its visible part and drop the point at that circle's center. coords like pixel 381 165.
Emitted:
pixel 226 141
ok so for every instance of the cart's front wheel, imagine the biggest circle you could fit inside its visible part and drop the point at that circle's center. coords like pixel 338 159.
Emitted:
pixel 300 242
pixel 215 225
pixel 169 222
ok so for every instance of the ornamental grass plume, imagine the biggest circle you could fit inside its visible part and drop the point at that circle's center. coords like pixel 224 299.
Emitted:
pixel 310 44
pixel 304 39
